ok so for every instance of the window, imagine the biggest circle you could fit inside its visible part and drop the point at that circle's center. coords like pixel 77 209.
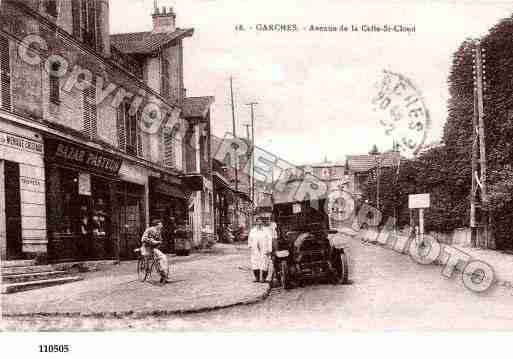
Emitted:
pixel 5 74
pixel 173 148
pixel 51 7
pixel 54 90
pixel 54 83
pixel 75 13
pixel 165 78
pixel 129 136
pixel 90 110
pixel 88 20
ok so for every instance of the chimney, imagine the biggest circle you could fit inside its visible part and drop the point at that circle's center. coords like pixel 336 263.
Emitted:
pixel 164 21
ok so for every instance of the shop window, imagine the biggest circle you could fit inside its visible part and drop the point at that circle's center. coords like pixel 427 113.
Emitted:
pixel 68 202
pixel 5 74
pixel 80 223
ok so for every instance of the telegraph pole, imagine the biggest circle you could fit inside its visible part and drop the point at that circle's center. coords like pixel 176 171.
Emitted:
pixel 252 106
pixel 377 184
pixel 247 125
pixel 482 146
pixel 235 162
pixel 473 199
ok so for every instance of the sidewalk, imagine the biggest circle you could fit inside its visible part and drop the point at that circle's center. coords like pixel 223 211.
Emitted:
pixel 206 282
pixel 502 263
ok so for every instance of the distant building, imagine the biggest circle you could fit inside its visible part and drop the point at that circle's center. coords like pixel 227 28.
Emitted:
pixel 359 168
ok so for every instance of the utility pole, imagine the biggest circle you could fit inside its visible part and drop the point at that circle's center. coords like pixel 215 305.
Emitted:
pixel 377 184
pixel 235 159
pixel 479 60
pixel 473 199
pixel 252 106
pixel 247 125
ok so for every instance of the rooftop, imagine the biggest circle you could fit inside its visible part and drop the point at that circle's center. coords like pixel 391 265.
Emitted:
pixel 146 42
pixel 363 163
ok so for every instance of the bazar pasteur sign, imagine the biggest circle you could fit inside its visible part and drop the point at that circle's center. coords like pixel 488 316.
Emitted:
pixel 82 156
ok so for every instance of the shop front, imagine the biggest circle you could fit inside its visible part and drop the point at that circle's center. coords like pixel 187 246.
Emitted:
pixel 81 197
pixel 224 199
pixel 200 209
pixel 131 212
pixel 168 202
pixel 22 193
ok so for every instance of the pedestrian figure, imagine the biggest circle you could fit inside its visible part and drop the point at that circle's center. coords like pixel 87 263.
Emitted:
pixel 273 228
pixel 151 239
pixel 260 244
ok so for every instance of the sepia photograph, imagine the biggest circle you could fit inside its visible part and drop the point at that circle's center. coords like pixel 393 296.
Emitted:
pixel 255 166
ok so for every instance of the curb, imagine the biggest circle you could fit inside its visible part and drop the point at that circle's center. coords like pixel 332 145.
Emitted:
pixel 439 261
pixel 145 313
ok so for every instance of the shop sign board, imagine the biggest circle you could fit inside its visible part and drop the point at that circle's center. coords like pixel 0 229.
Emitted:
pixel 20 143
pixel 84 157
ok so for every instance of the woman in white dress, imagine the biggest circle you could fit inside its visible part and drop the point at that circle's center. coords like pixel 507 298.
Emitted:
pixel 260 245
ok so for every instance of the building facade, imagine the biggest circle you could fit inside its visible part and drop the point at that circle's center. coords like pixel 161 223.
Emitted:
pixel 232 202
pixel 94 139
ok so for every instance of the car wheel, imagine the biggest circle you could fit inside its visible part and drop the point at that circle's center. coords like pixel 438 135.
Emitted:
pixel 284 275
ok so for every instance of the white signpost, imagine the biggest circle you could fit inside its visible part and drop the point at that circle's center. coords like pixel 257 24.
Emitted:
pixel 420 202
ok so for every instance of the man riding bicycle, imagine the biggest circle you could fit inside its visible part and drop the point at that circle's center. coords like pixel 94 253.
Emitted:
pixel 151 239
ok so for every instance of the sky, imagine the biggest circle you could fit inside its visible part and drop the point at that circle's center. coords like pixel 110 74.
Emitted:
pixel 314 89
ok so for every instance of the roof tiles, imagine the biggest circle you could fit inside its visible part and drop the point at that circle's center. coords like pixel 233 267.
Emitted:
pixel 146 42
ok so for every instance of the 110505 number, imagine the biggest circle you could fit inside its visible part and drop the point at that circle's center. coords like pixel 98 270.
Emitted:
pixel 54 348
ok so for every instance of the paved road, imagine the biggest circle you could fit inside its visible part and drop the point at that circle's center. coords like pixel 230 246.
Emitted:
pixel 389 292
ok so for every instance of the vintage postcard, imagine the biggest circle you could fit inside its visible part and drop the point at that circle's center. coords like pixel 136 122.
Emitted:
pixel 226 165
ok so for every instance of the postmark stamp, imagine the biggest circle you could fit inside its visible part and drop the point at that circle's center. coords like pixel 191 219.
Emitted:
pixel 405 116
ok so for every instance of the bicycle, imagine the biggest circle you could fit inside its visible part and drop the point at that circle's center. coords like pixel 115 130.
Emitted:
pixel 147 265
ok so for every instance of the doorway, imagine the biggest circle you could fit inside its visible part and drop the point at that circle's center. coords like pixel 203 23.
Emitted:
pixel 129 214
pixel 13 210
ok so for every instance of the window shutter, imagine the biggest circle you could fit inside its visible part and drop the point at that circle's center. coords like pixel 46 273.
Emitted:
pixel 5 74
pixel 169 150
pixel 75 11
pixel 139 135
pixel 89 23
pixel 90 116
pixel 121 127
pixel 165 78
pixel 54 90
pixel 97 29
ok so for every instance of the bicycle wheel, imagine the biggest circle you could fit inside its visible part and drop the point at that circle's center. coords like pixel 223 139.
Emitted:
pixel 141 269
pixel 149 268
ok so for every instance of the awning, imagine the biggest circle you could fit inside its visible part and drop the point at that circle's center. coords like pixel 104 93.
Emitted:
pixel 193 182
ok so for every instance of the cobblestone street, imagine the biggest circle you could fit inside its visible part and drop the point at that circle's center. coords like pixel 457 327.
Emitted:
pixel 389 292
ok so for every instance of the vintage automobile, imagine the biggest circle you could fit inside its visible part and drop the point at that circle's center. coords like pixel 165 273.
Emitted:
pixel 303 250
